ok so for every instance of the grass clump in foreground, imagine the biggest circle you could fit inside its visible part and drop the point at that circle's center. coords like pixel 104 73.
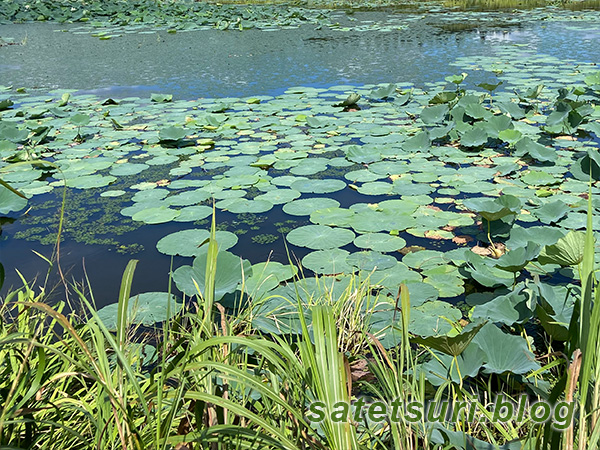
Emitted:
pixel 207 380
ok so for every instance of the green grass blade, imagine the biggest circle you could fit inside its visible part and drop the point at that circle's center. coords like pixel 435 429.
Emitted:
pixel 124 294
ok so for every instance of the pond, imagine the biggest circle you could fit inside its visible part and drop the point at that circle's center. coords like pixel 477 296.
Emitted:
pixel 252 122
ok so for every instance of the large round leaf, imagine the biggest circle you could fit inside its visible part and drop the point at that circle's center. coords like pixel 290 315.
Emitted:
pixel 324 186
pixel 228 274
pixel 494 209
pixel 380 242
pixel 9 201
pixel 305 206
pixel 160 214
pixel 147 309
pixel 189 242
pixel 327 262
pixel 370 260
pixel 320 237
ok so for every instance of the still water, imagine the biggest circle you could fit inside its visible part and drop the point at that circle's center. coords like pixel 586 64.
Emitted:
pixel 215 64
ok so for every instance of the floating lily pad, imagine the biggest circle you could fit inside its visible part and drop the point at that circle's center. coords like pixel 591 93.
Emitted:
pixel 305 206
pixel 190 242
pixel 380 242
pixel 338 217
pixel 10 202
pixel 319 237
pixel 90 181
pixel 193 213
pixel 324 186
pixel 113 193
pixel 125 169
pixel 371 260
pixel 328 262
pixel 279 196
pixel 244 205
pixel 156 215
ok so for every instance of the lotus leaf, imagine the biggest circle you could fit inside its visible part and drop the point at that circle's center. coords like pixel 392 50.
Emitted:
pixel 444 367
pixel 443 97
pixel 512 109
pixel 474 137
pixel 228 274
pixel 507 309
pixel 516 259
pixel 380 242
pixel 434 114
pixel 327 262
pixel 536 150
pixel 190 242
pixel 148 309
pixel 551 212
pixel 320 237
pixel 324 186
pixel 305 206
pixel 434 318
pixel 494 209
pixel 420 142
pixel 494 343
pixel 362 154
pixel 6 104
pixel 80 120
pixel 161 98
pixel 383 92
pixel 519 236
pixel 10 202
pixel 171 134
pixel 12 133
pixel 371 260
pixel 156 215
pixel 568 251
pixel 450 345
pixel 476 111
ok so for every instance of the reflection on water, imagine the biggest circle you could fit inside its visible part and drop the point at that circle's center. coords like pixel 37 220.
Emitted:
pixel 221 64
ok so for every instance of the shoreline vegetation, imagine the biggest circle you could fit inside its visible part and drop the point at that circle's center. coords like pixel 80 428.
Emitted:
pixel 234 355
pixel 207 378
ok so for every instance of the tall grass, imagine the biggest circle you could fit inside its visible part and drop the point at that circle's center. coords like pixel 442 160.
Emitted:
pixel 205 380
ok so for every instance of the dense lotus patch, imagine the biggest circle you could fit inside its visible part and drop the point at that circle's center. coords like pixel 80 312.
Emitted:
pixel 414 187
